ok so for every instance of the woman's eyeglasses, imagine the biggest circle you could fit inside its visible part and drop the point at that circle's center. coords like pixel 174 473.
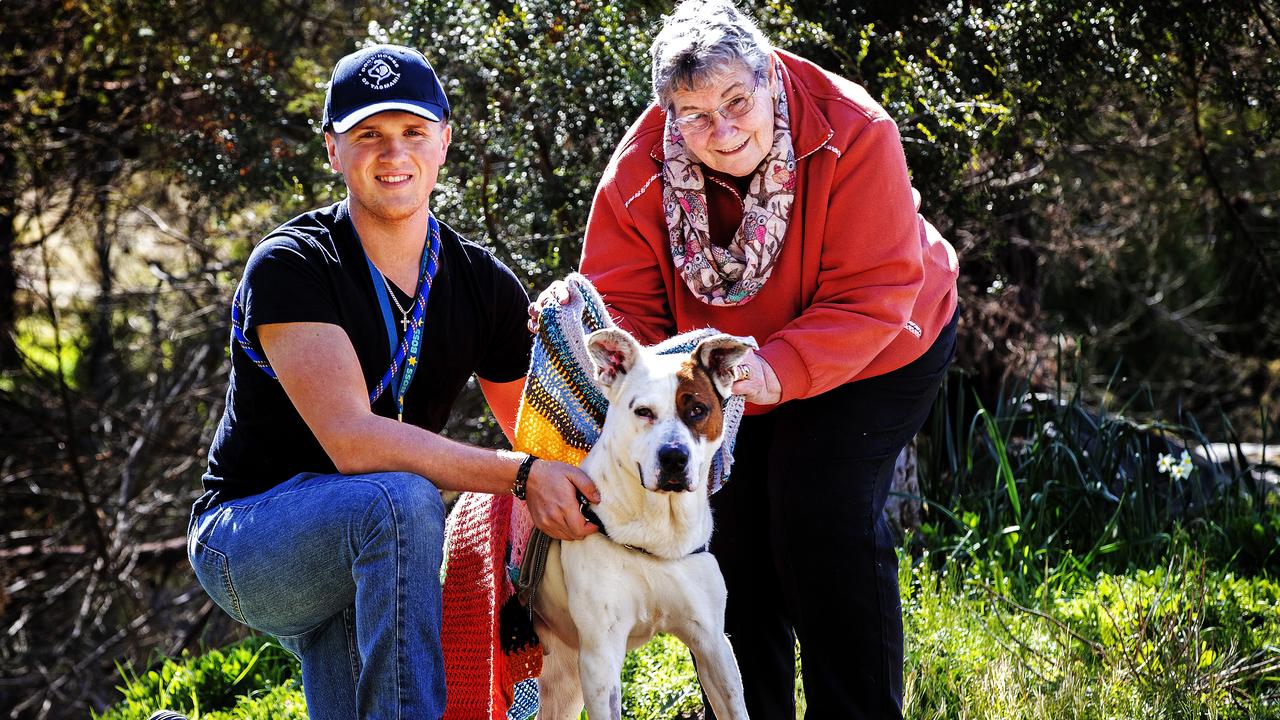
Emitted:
pixel 734 107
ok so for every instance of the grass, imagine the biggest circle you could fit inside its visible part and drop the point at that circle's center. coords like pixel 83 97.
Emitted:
pixel 1176 642
pixel 252 679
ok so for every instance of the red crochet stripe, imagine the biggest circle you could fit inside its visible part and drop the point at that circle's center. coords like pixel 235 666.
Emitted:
pixel 477 531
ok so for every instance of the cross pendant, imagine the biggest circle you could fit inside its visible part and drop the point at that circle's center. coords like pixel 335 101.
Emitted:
pixel 404 324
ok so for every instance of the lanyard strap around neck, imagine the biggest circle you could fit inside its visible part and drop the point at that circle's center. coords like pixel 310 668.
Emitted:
pixel 406 350
pixel 384 301
pixel 404 361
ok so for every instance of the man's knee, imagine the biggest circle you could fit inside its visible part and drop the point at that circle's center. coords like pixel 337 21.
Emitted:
pixel 411 500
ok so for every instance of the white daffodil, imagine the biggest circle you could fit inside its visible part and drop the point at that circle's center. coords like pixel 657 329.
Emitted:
pixel 1185 464
pixel 1164 464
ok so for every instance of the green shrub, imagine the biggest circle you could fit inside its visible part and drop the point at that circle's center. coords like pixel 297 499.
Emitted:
pixel 658 681
pixel 252 679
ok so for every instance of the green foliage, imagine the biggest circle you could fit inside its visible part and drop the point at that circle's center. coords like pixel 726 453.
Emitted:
pixel 541 93
pixel 1104 169
pixel 1040 488
pixel 1178 642
pixel 255 678
pixel 658 681
pixel 48 349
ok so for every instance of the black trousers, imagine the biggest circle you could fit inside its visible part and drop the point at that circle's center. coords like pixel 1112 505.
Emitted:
pixel 806 551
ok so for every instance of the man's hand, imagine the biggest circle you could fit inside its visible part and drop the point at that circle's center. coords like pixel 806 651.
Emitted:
pixel 552 497
pixel 756 381
pixel 558 292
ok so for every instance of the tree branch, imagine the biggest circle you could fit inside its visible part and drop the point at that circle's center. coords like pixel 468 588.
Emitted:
pixel 91 510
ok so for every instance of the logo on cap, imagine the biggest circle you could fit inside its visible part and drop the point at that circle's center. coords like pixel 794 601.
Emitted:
pixel 380 72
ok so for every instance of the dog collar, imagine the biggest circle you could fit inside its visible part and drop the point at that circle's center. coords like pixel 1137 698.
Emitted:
pixel 585 506
pixel 594 519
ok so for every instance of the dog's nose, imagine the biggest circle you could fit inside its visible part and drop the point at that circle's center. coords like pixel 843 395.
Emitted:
pixel 673 458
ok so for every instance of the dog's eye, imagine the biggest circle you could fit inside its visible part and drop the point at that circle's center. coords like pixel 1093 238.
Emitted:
pixel 645 413
pixel 697 411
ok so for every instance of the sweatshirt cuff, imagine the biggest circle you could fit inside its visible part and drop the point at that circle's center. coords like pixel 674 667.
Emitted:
pixel 793 374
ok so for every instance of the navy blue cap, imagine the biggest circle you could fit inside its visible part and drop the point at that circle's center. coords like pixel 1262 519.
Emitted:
pixel 381 78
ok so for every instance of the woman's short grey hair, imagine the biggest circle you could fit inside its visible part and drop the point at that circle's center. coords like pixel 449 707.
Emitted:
pixel 700 40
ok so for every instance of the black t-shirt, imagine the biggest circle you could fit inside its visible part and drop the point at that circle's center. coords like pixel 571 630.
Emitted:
pixel 313 269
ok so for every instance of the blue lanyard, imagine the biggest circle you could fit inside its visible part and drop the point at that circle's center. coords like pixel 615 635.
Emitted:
pixel 384 302
pixel 404 360
pixel 406 351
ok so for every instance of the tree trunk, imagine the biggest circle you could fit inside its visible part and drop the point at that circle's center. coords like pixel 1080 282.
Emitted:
pixel 101 347
pixel 8 272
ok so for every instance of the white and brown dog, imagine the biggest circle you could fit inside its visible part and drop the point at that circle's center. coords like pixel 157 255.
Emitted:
pixel 647 571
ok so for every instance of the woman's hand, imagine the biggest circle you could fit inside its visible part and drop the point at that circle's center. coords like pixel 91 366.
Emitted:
pixel 558 292
pixel 756 381
pixel 552 497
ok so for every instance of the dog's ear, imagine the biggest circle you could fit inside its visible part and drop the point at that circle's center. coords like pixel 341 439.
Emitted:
pixel 719 354
pixel 613 352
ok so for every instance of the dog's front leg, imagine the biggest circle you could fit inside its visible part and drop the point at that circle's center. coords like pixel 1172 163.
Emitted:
pixel 718 672
pixel 600 668
pixel 559 690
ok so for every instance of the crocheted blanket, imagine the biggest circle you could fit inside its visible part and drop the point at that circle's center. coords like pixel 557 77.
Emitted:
pixel 491 652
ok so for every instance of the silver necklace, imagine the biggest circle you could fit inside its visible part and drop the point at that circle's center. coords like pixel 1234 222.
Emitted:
pixel 404 314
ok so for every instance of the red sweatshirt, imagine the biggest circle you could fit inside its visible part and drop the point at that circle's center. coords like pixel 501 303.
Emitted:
pixel 863 285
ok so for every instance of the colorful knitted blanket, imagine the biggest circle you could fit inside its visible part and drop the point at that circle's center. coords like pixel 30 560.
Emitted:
pixel 491 652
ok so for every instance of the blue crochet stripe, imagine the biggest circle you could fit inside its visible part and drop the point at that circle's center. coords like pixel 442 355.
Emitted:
pixel 684 343
pixel 577 426
pixel 562 390
pixel 525 703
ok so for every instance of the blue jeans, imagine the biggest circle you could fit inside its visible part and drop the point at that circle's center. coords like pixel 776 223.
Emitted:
pixel 344 570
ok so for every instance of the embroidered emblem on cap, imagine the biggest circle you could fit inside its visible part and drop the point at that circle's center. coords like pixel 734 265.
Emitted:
pixel 380 72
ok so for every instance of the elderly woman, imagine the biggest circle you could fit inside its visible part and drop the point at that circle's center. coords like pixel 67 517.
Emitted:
pixel 764 196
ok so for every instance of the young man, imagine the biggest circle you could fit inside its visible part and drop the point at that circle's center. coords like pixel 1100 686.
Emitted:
pixel 355 327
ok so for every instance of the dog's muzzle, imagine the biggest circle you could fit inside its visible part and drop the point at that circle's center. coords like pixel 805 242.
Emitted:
pixel 673 466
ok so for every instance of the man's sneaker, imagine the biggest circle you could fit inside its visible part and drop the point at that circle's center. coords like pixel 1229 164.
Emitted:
pixel 167 715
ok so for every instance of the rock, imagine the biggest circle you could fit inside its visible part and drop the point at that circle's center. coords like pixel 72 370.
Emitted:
pixel 903 507
pixel 1261 461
